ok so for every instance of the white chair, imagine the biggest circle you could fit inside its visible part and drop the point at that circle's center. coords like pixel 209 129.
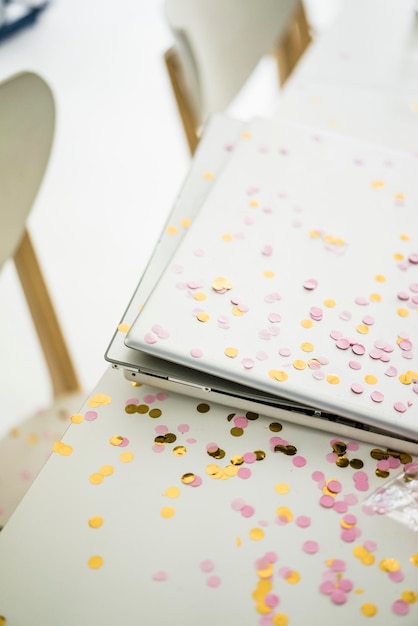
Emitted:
pixel 27 123
pixel 218 44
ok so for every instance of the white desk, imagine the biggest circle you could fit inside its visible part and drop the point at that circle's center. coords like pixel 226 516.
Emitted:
pixel 361 77
pixel 180 523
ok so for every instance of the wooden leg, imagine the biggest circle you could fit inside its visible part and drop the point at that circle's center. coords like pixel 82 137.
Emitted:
pixel 61 369
pixel 186 113
pixel 293 44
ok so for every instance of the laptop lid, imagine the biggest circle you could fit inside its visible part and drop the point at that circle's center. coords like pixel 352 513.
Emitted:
pixel 299 278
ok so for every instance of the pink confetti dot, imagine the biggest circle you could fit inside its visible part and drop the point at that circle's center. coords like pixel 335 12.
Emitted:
pixel 310 547
pixel 274 317
pixel 150 338
pixel 336 334
pixel 353 446
pixel 303 521
pixel 400 407
pixel 358 349
pixel 249 457
pixel 357 388
pixel 400 607
pixel 391 371
pixel 299 461
pixel 350 534
pixel 90 416
pixel 351 499
pixel 158 449
pixel 327 587
pixel 237 504
pixel 339 596
pixel 196 353
pixel 124 442
pixel 370 545
pixel 149 398
pixel 383 465
pixel 402 295
pixel 161 430
pixel 377 396
pixel 240 421
pixel 361 301
pixel 196 482
pixel 331 457
pixel 183 428
pixel 317 476
pixel 310 284
pixel 342 343
pixel 350 519
pixel 160 576
pixel 271 600
pixel 334 486
pixel 285 351
pixel 396 577
pixel 326 501
pixel 244 473
pixel 213 581
pixel 362 485
pixel 368 320
pixel 131 401
pixel 247 511
pixel 345 315
pixel 316 313
pixel 247 363
pixel 340 506
pixel 207 565
pixel 161 396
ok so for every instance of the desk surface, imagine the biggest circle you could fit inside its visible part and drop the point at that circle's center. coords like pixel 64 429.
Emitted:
pixel 156 505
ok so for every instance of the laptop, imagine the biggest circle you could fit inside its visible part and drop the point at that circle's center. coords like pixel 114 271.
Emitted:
pixel 294 290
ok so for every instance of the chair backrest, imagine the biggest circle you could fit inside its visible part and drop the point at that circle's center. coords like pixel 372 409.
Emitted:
pixel 27 123
pixel 220 42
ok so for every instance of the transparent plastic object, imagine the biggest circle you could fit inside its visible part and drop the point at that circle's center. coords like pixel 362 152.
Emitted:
pixel 398 499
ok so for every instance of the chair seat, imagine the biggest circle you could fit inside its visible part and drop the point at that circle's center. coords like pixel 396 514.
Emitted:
pixel 26 447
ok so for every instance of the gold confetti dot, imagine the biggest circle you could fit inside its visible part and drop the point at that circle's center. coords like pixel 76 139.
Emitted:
pixel 227 237
pixel 155 413
pixel 375 297
pixel 116 440
pixel 256 534
pixel 203 317
pixel 390 565
pixel 284 511
pixel 123 328
pixel 363 329
pixel 96 521
pixel 400 197
pixel 268 274
pixel 238 542
pixel 380 278
pixel 100 399
pixel 292 577
pixel 306 323
pixel 179 451
pixel 414 559
pixel 404 237
pixel 370 379
pixel 106 470
pixel 172 492
pixel 188 478
pixel 200 296
pixel 208 175
pixel 96 478
pixel 377 184
pixel 186 222
pixel 314 234
pixel 254 203
pixel 167 512
pixel 95 562
pixel 332 379
pixel 278 375
pixel 126 457
pixel 368 609
pixel 398 256
pixel 282 488
pixel 62 448
pixel 298 364
pixel 246 135
pixel 3 620
pixel 237 460
pixel 171 230
pixel 307 346
pixel 231 352
pixel 409 596
pixel 237 311
pixel 77 418
pixel 203 407
pixel 280 619
pixel 220 283
pixel 265 573
pixel 33 439
pixel 275 427
pixel 402 312
pixel 236 432
pixel 329 303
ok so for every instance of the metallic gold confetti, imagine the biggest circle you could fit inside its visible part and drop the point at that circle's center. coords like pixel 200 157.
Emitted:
pixel 172 492
pixel 167 512
pixel 282 488
pixel 409 596
pixel 179 450
pixel 171 230
pixel 124 328
pixel 332 379
pixel 275 427
pixel 389 565
pixel 203 407
pixel 77 418
pixel 260 455
pixel 154 413
pixel 106 470
pixel 306 323
pixel 203 317
pixel 96 478
pixel 188 478
pixel 236 432
pixel 237 460
pixel 278 375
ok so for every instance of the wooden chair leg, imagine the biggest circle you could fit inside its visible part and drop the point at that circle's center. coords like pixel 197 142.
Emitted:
pixel 293 44
pixel 61 369
pixel 186 114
